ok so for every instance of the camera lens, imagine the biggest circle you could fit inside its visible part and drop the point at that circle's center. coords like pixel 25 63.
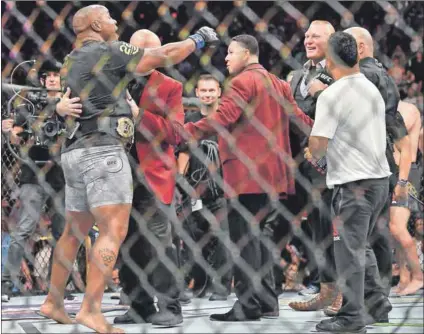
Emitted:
pixel 51 129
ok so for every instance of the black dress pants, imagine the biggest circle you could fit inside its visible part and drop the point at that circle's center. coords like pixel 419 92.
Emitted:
pixel 149 263
pixel 322 237
pixel 356 207
pixel 209 227
pixel 253 261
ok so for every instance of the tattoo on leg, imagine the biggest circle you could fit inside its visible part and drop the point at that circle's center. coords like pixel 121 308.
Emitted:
pixel 108 256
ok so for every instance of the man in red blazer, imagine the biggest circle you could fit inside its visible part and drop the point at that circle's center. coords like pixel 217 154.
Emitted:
pixel 252 123
pixel 160 99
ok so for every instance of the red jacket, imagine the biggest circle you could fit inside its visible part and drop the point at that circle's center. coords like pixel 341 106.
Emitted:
pixel 161 124
pixel 252 122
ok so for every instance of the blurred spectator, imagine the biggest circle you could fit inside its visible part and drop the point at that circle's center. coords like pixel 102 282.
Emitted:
pixel 397 70
pixel 414 96
pixel 398 53
pixel 416 66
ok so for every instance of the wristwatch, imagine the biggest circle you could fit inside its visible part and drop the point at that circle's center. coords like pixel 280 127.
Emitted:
pixel 402 183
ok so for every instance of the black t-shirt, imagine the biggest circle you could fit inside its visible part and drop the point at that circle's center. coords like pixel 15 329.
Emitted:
pixel 193 117
pixel 395 126
pixel 197 172
pixel 99 73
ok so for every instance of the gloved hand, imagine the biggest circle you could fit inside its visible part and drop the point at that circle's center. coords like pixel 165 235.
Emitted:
pixel 205 36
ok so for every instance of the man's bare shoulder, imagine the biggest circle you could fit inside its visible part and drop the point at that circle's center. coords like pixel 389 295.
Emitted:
pixel 409 112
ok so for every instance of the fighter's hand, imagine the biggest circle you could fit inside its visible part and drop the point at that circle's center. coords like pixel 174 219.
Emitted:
pixel 134 108
pixel 69 107
pixel 315 86
pixel 205 36
pixel 7 125
pixel 14 135
pixel 307 154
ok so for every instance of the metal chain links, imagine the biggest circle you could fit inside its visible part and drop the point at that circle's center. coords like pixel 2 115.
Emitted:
pixel 42 30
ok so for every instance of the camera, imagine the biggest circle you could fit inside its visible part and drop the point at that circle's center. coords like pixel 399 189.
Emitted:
pixel 33 110
pixel 39 121
pixel 39 99
pixel 51 129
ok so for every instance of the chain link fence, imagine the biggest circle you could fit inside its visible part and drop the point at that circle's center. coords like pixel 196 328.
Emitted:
pixel 42 31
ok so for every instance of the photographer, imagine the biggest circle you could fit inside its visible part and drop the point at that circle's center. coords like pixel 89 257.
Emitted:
pixel 34 129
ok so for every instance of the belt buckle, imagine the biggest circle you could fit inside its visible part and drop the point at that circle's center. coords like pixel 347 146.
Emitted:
pixel 125 127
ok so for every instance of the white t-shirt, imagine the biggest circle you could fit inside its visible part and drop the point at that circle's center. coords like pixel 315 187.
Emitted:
pixel 351 114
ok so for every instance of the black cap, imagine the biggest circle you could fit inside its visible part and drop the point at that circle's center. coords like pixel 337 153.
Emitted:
pixel 49 66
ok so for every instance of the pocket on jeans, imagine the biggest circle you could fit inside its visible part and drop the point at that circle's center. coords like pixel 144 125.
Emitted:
pixel 337 199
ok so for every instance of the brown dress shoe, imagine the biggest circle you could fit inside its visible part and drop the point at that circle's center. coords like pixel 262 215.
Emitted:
pixel 334 308
pixel 328 293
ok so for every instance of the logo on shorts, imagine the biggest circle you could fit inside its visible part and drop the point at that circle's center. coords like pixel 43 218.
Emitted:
pixel 125 127
pixel 113 164
pixel 128 49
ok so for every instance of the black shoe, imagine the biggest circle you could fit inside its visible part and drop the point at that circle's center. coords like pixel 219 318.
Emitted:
pixel 132 317
pixel 6 290
pixel 270 314
pixel 167 319
pixel 384 319
pixel 340 326
pixel 379 312
pixel 236 314
pixel 218 297
pixel 327 321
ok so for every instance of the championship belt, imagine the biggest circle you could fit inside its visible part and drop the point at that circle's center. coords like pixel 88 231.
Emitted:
pixel 125 127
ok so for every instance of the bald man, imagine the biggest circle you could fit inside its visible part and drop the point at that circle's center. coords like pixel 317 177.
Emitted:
pixel 145 38
pixel 97 171
pixel 149 231
pixel 306 85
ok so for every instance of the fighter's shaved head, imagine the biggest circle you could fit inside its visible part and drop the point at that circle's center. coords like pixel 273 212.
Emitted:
pixel 362 36
pixel 145 39
pixel 329 29
pixel 84 17
pixel 94 23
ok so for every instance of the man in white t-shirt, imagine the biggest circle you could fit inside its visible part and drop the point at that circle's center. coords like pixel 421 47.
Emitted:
pixel 350 130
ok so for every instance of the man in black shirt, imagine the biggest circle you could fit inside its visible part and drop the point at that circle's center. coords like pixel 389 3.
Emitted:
pixel 96 168
pixel 211 203
pixel 306 90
